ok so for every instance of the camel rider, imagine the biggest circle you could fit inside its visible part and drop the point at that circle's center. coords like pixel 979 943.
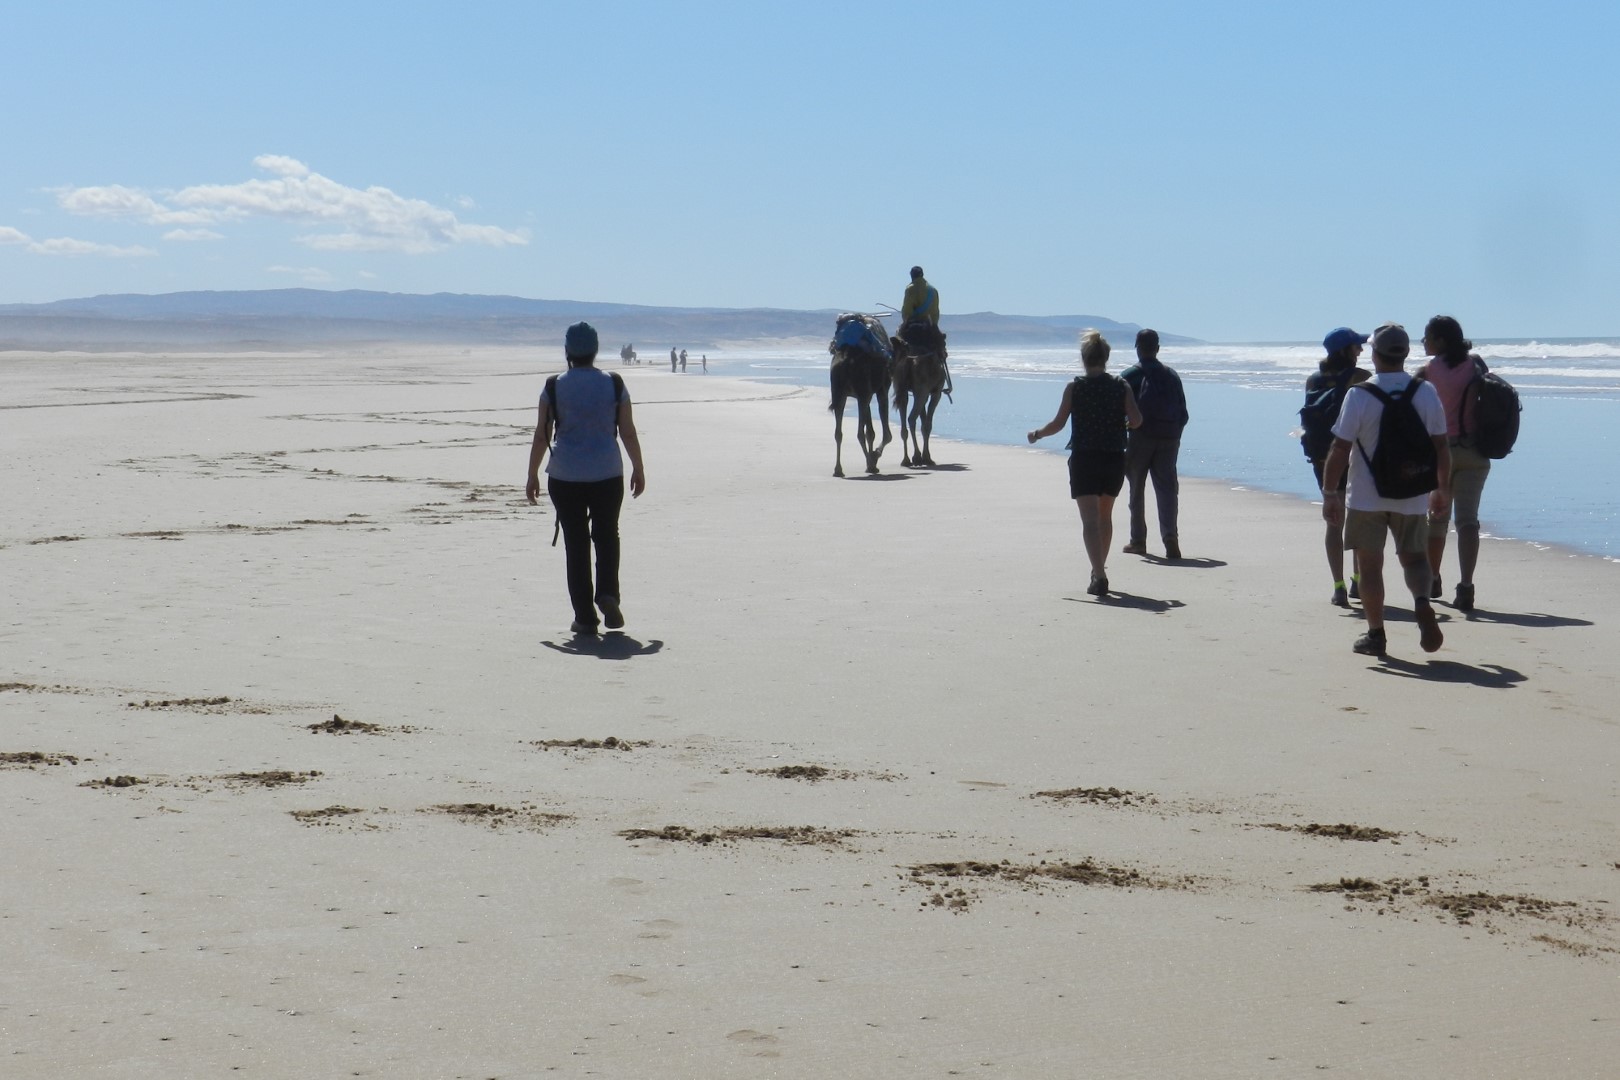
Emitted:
pixel 919 313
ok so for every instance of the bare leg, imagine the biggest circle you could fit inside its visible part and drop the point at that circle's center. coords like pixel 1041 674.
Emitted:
pixel 1334 543
pixel 1437 549
pixel 1095 530
pixel 1418 577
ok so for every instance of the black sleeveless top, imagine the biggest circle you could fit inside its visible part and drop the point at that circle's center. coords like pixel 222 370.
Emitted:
pixel 1097 413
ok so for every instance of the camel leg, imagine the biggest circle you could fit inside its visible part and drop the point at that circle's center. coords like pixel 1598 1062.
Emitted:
pixel 900 402
pixel 838 437
pixel 928 426
pixel 868 434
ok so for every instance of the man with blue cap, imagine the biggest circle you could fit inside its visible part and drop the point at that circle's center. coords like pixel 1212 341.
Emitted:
pixel 1324 396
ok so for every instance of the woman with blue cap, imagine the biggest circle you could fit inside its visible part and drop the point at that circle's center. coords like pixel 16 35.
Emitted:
pixel 584 415
pixel 1324 394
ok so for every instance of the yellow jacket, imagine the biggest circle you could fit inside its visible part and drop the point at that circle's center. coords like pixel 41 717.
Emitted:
pixel 921 301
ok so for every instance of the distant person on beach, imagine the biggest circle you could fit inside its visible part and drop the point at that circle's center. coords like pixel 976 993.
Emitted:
pixel 1101 408
pixel 1324 395
pixel 1453 367
pixel 1371 514
pixel 1153 447
pixel 584 414
pixel 683 359
pixel 673 359
pixel 705 363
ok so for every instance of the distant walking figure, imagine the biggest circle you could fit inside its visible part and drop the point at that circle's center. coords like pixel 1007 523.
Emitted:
pixel 1154 446
pixel 584 414
pixel 673 359
pixel 1102 408
pixel 683 359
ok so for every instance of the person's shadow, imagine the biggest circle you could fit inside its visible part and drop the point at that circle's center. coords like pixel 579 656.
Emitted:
pixel 1119 599
pixel 1490 676
pixel 1194 563
pixel 610 646
pixel 1527 619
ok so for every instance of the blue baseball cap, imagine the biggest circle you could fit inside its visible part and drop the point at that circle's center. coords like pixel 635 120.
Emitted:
pixel 1342 338
pixel 580 340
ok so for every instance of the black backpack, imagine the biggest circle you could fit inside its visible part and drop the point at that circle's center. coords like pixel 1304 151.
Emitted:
pixel 1320 413
pixel 1405 463
pixel 1495 408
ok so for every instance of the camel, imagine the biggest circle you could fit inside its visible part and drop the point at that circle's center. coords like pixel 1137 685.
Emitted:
pixel 921 374
pixel 860 369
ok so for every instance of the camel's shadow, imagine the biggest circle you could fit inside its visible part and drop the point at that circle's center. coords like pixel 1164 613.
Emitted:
pixel 939 468
pixel 877 476
pixel 610 646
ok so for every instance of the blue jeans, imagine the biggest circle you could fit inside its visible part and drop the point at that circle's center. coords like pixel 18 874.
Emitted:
pixel 1147 456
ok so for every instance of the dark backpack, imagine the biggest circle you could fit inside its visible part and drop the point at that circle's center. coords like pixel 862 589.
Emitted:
pixel 1320 413
pixel 1162 403
pixel 1495 408
pixel 1405 463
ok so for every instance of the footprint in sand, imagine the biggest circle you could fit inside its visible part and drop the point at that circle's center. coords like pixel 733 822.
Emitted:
pixel 633 886
pixel 757 1043
pixel 626 980
pixel 980 783
pixel 658 929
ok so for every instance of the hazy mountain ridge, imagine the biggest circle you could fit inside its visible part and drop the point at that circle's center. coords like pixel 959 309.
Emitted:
pixel 301 318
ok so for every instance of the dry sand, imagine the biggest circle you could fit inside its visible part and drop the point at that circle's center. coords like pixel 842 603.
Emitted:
pixel 288 792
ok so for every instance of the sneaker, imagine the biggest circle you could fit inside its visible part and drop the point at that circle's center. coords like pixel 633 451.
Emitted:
pixel 578 627
pixel 1135 547
pixel 1465 598
pixel 1430 624
pixel 1172 550
pixel 1435 591
pixel 610 612
pixel 1340 597
pixel 1355 588
pixel 1370 644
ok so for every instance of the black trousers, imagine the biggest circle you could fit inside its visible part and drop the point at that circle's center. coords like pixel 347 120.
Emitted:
pixel 589 515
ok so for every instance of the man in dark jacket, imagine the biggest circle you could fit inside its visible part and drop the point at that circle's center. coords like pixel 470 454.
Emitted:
pixel 1153 446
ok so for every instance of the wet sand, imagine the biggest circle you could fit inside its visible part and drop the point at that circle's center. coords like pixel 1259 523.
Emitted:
pixel 303 774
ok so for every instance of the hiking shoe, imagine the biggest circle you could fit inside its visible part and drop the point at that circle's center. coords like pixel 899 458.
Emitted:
pixel 1435 591
pixel 610 612
pixel 1429 622
pixel 1340 597
pixel 1135 547
pixel 1172 550
pixel 1355 588
pixel 578 627
pixel 1465 598
pixel 1370 644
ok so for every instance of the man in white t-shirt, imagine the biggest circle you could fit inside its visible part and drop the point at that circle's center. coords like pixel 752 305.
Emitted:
pixel 1370 515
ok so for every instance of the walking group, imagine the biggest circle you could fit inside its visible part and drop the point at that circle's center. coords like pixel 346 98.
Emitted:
pixel 1396 454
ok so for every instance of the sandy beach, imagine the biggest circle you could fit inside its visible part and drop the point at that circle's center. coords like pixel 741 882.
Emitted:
pixel 304 776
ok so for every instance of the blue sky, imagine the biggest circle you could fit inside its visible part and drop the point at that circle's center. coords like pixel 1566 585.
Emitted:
pixel 1239 171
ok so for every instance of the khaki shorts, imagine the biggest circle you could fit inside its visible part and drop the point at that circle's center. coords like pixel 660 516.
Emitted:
pixel 1364 530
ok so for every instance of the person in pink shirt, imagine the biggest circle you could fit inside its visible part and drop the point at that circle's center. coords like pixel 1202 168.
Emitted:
pixel 1452 366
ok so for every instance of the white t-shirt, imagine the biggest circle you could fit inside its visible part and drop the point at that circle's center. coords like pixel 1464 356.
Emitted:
pixel 1358 422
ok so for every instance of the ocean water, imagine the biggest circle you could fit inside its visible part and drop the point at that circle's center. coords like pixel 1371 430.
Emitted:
pixel 1560 486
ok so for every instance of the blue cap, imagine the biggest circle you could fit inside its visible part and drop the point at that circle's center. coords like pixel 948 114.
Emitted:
pixel 1342 338
pixel 581 340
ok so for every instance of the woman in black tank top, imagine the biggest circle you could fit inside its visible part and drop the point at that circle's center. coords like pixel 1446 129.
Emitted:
pixel 1102 409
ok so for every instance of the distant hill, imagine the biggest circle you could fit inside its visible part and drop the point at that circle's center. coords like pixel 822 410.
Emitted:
pixel 312 318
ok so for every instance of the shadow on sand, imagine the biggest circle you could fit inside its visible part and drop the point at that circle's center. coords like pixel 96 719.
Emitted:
pixel 1195 564
pixel 1490 676
pixel 1528 619
pixel 1116 598
pixel 940 468
pixel 610 646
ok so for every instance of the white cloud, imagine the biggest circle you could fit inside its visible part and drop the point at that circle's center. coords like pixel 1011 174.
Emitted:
pixel 66 245
pixel 184 235
pixel 367 275
pixel 312 274
pixel 351 219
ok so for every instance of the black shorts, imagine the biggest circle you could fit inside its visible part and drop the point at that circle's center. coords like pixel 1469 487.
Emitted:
pixel 1096 472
